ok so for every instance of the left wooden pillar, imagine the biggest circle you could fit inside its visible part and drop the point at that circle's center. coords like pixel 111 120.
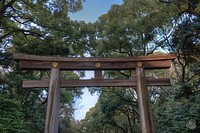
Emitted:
pixel 51 125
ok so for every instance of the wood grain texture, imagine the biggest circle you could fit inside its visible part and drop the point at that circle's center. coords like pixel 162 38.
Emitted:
pixel 98 74
pixel 97 64
pixel 32 64
pixel 66 59
pixel 96 83
pixel 143 102
pixel 51 125
pixel 129 63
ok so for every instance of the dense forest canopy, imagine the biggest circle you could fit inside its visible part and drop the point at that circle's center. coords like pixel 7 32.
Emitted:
pixel 134 28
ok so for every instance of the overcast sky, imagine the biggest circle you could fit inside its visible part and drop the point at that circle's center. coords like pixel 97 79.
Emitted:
pixel 92 9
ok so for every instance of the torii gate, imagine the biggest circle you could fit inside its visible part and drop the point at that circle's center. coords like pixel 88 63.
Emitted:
pixel 55 64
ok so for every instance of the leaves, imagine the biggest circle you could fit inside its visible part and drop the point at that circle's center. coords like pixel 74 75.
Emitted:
pixel 11 116
pixel 137 27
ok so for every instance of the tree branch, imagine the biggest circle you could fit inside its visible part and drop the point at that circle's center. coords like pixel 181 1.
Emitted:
pixel 25 32
pixel 4 7
pixel 125 100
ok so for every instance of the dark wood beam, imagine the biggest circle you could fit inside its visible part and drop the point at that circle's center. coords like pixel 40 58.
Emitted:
pixel 98 74
pixel 51 124
pixel 64 63
pixel 95 83
pixel 92 65
pixel 97 64
pixel 146 121
pixel 67 59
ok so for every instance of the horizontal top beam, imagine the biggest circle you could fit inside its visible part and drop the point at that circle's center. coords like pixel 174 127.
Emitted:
pixel 81 59
pixel 47 62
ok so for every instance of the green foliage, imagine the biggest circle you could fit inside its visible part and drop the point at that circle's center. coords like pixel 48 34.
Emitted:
pixel 183 91
pixel 11 116
pixel 36 27
pixel 131 28
pixel 115 111
pixel 174 114
pixel 137 27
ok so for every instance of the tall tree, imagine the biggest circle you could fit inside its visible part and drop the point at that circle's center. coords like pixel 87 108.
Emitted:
pixel 131 29
pixel 139 28
pixel 36 27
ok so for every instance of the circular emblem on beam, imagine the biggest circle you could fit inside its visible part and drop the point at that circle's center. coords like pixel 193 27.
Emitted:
pixel 98 65
pixel 55 64
pixel 139 64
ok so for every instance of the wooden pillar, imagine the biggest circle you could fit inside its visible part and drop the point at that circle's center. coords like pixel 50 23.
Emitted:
pixel 97 74
pixel 142 93
pixel 51 125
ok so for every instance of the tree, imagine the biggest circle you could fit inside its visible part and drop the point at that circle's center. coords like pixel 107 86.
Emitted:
pixel 11 116
pixel 115 111
pixel 35 27
pixel 178 108
pixel 134 29
pixel 137 27
pixel 30 12
pixel 131 29
pixel 32 21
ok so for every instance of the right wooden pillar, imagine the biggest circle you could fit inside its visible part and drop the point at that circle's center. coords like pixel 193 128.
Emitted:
pixel 53 102
pixel 146 120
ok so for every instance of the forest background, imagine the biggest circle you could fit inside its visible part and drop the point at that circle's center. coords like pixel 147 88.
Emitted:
pixel 134 28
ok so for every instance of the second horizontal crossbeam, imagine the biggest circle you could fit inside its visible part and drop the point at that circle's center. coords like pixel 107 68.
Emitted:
pixel 44 83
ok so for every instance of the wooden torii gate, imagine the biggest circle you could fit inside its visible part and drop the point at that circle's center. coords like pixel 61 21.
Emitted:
pixel 55 64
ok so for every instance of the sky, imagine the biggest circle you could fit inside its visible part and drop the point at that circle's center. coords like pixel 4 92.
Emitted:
pixel 87 100
pixel 92 9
